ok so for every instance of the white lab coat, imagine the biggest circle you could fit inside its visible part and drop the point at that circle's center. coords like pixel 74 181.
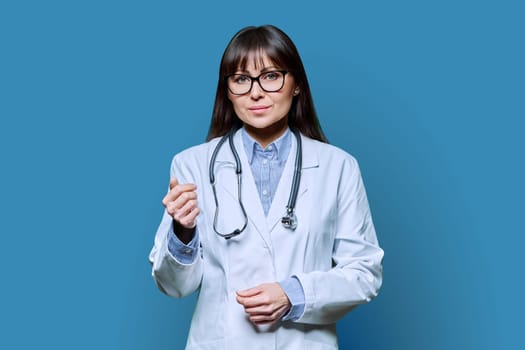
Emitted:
pixel 333 252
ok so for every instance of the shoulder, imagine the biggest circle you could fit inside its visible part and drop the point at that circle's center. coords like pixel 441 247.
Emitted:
pixel 195 153
pixel 328 154
pixel 191 164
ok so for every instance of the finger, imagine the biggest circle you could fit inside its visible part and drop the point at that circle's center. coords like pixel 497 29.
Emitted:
pixel 177 213
pixel 189 220
pixel 184 198
pixel 185 217
pixel 257 300
pixel 180 214
pixel 265 309
pixel 249 292
pixel 185 210
pixel 271 318
pixel 186 202
pixel 176 191
pixel 180 189
pixel 173 182
pixel 265 322
pixel 248 301
pixel 193 215
pixel 259 310
pixel 261 319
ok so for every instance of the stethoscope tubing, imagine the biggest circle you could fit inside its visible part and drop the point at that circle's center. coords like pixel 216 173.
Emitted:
pixel 289 221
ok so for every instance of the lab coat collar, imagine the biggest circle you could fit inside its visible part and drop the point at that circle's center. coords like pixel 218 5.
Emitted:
pixel 310 155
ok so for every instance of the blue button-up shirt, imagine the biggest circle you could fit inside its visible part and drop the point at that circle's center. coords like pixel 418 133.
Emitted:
pixel 267 165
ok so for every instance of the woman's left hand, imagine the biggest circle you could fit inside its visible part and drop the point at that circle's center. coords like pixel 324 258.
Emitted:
pixel 265 303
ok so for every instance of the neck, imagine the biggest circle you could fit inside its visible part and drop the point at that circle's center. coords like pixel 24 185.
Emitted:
pixel 269 134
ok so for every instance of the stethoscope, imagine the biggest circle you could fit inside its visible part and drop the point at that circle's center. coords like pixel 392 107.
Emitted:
pixel 289 221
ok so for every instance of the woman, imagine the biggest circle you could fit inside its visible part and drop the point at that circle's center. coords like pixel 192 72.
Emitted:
pixel 271 273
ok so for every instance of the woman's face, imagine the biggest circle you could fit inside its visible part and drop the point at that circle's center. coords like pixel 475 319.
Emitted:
pixel 264 114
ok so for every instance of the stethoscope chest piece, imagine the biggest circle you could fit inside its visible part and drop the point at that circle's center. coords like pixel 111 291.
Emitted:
pixel 289 221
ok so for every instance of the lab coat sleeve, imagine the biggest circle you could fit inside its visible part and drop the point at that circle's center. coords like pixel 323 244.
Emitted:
pixel 173 277
pixel 356 273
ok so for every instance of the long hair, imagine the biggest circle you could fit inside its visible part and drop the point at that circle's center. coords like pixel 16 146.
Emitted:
pixel 278 47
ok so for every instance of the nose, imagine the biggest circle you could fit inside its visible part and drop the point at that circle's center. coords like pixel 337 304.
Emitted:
pixel 256 92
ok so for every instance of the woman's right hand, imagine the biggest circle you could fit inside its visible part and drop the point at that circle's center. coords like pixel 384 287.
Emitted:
pixel 181 205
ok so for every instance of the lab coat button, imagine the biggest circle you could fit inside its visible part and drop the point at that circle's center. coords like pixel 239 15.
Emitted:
pixel 264 192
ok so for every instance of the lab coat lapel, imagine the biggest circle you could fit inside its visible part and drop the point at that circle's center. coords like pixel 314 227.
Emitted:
pixel 282 194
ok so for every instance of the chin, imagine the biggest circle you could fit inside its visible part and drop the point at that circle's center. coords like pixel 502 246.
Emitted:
pixel 263 121
pixel 261 126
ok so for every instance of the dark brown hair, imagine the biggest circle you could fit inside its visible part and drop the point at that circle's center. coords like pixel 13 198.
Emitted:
pixel 273 42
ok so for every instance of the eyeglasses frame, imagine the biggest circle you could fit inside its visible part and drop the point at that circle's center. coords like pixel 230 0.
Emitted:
pixel 253 79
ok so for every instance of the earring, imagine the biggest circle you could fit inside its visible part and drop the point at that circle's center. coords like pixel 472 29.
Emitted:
pixel 296 92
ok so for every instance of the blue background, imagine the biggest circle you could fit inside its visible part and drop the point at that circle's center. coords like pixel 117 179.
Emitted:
pixel 96 97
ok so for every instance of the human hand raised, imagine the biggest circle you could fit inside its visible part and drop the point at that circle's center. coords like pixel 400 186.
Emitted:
pixel 181 204
pixel 265 303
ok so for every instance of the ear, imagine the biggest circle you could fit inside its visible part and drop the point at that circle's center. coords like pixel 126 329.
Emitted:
pixel 296 91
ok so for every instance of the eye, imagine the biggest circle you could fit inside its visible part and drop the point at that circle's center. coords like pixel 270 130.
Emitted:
pixel 272 75
pixel 241 79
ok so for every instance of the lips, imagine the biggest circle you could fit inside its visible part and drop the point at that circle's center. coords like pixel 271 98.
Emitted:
pixel 258 108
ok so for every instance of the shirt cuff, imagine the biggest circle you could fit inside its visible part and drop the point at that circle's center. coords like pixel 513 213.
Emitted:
pixel 295 293
pixel 184 253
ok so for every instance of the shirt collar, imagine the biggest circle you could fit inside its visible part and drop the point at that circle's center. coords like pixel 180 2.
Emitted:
pixel 250 145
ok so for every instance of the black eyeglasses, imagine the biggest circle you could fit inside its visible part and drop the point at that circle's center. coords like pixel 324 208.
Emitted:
pixel 271 81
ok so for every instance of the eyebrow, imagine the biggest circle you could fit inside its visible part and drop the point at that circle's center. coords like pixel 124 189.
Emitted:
pixel 264 70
